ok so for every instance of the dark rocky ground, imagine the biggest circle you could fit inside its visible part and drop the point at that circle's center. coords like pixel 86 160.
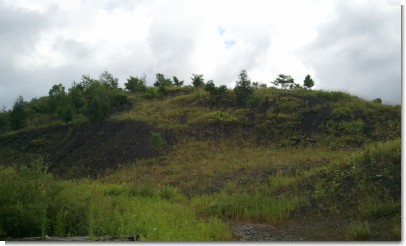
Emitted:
pixel 309 229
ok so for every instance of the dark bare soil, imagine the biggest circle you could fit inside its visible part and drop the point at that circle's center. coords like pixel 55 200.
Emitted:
pixel 89 150
pixel 307 229
pixel 311 227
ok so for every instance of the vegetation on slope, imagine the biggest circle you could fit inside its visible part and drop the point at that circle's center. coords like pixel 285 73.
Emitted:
pixel 33 203
pixel 137 162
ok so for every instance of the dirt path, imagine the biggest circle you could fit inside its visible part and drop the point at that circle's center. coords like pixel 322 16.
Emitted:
pixel 310 229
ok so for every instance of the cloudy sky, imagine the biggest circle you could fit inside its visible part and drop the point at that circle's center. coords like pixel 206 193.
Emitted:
pixel 347 45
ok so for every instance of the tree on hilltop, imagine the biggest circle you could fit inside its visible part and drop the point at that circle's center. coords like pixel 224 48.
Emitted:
pixel 108 80
pixel 308 82
pixel 177 82
pixel 161 81
pixel 243 88
pixel 284 81
pixel 18 114
pixel 197 80
pixel 216 93
pixel 135 84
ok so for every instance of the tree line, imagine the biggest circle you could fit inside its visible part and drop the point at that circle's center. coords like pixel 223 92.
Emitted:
pixel 95 99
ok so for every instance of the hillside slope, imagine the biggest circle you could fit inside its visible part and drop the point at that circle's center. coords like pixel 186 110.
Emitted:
pixel 280 157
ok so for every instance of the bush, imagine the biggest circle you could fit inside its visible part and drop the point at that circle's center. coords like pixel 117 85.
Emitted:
pixel 221 117
pixel 98 109
pixel 135 84
pixel 158 144
pixel 24 199
pixel 217 94
pixel 67 113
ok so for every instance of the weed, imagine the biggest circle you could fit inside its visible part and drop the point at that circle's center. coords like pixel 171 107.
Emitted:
pixel 359 231
pixel 397 232
pixel 158 144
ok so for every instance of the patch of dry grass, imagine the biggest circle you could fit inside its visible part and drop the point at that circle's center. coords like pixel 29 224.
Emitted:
pixel 201 166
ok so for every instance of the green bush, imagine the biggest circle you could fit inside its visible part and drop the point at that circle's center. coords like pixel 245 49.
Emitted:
pixel 24 198
pixel 221 117
pixel 157 142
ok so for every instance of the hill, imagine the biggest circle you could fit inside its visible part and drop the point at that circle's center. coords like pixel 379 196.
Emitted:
pixel 232 158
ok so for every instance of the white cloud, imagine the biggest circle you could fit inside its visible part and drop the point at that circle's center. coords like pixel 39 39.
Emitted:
pixel 53 41
pixel 359 50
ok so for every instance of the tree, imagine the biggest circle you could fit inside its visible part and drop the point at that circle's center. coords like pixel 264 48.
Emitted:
pixel 135 84
pixel 39 105
pixel 98 108
pixel 108 80
pixel 67 113
pixel 77 97
pixel 56 98
pixel 285 81
pixel 308 82
pixel 177 82
pixel 377 100
pixel 3 120
pixel 18 115
pixel 243 88
pixel 210 87
pixel 216 93
pixel 197 80
pixel 161 81
pixel 87 82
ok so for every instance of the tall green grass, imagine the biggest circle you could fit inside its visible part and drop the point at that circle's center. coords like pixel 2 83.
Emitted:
pixel 256 207
pixel 33 203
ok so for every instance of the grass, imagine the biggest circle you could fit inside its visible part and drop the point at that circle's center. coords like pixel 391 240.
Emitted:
pixel 196 167
pixel 243 181
pixel 35 204
pixel 169 113
pixel 188 192
pixel 239 181
pixel 247 206
pixel 359 231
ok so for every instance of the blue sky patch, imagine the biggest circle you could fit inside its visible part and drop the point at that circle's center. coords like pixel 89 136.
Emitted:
pixel 229 43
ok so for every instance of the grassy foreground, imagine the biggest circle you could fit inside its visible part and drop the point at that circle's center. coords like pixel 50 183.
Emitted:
pixel 164 199
pixel 34 203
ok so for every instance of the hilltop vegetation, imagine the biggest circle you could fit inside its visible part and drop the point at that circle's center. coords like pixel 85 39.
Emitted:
pixel 206 154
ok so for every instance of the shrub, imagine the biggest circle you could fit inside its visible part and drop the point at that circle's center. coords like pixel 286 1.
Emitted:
pixel 135 84
pixel 24 198
pixel 158 144
pixel 98 109
pixel 67 113
pixel 221 117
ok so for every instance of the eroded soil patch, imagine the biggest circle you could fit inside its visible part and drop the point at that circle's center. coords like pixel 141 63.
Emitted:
pixel 308 229
pixel 88 150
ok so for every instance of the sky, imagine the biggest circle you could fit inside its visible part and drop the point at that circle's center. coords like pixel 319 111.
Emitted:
pixel 346 45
